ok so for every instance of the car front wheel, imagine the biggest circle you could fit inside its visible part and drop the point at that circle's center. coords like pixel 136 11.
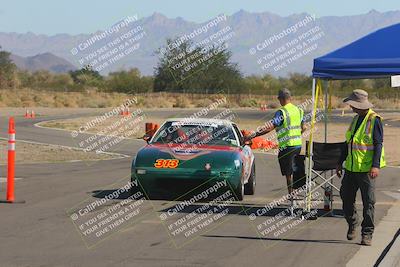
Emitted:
pixel 239 191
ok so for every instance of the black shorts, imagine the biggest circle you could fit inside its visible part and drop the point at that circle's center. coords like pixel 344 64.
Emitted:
pixel 286 159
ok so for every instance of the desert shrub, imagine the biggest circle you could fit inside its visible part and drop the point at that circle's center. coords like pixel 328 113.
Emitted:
pixel 203 102
pixel 248 102
pixel 181 102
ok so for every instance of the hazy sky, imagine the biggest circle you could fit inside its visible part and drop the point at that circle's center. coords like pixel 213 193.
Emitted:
pixel 86 16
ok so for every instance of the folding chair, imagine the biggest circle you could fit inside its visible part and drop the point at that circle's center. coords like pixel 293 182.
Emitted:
pixel 325 158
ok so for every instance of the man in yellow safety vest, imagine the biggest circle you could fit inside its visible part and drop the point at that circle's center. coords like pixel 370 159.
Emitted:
pixel 288 122
pixel 363 159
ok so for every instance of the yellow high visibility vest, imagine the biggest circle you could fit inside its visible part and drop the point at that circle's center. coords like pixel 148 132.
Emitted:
pixel 289 133
pixel 360 144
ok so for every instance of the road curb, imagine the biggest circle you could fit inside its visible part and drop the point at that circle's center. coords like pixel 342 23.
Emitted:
pixel 384 234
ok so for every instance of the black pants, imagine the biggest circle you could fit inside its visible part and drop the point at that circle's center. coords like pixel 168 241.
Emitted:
pixel 352 181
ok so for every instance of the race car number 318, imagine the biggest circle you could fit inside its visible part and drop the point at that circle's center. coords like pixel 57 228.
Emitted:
pixel 166 163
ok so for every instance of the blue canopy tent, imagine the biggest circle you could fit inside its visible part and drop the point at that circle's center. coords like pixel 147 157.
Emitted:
pixel 376 55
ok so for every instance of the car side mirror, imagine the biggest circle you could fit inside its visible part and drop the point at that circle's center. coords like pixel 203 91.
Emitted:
pixel 146 138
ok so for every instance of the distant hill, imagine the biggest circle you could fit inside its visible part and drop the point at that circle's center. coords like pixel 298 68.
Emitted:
pixel 46 61
pixel 249 28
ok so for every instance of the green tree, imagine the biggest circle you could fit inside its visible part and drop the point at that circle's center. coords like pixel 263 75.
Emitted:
pixel 87 77
pixel 184 67
pixel 130 81
pixel 8 71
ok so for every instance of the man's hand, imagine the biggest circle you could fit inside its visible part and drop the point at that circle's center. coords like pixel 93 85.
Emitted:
pixel 303 127
pixel 339 170
pixel 374 172
pixel 249 136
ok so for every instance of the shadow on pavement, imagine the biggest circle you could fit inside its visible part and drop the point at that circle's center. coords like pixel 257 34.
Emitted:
pixel 288 239
pixel 236 207
pixel 104 193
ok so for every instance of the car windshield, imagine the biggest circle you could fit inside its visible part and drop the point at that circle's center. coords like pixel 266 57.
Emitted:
pixel 195 134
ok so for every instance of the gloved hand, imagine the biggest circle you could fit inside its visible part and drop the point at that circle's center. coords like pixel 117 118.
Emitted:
pixel 339 171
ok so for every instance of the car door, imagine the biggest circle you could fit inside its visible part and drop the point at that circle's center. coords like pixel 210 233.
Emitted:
pixel 247 154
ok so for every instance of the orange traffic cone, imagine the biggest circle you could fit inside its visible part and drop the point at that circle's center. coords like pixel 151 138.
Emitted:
pixel 27 115
pixel 32 114
pixel 263 107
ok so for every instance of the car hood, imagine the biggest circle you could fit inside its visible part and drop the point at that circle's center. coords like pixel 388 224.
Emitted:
pixel 194 157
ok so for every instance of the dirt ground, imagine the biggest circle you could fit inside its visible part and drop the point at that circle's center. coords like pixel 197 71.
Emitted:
pixel 116 125
pixel 35 153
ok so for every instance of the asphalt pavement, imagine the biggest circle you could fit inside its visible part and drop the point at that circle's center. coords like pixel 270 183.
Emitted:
pixel 41 231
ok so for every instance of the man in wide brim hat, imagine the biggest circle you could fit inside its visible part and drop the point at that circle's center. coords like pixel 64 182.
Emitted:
pixel 363 159
pixel 359 100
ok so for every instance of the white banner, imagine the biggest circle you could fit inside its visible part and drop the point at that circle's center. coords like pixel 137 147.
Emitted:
pixel 396 81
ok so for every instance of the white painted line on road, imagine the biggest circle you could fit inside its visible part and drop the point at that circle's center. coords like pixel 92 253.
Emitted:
pixel 397 167
pixel 88 133
pixel 69 147
pixel 51 128
pixel 392 194
pixel 4 179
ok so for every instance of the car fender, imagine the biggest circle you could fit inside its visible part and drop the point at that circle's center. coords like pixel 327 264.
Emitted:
pixel 247 160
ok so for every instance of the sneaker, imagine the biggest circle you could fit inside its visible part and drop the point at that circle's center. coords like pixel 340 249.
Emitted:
pixel 366 240
pixel 351 232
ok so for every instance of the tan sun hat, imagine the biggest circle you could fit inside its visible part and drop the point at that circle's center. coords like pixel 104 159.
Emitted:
pixel 358 99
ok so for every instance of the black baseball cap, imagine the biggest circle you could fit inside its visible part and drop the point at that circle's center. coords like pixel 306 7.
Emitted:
pixel 284 93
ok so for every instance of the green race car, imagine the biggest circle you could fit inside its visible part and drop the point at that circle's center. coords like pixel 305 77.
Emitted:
pixel 185 154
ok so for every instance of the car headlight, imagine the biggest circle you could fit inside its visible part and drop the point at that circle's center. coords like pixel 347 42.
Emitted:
pixel 139 171
pixel 237 163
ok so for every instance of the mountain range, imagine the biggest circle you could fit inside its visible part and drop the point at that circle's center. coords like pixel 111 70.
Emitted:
pixel 249 30
pixel 46 61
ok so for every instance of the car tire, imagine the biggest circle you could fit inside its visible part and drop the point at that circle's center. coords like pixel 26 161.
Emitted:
pixel 135 189
pixel 132 189
pixel 239 191
pixel 250 187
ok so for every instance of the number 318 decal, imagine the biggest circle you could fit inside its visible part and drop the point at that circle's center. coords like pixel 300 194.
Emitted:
pixel 166 163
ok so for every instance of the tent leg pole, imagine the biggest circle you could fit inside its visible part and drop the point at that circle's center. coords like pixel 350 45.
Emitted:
pixel 326 111
pixel 328 187
pixel 309 173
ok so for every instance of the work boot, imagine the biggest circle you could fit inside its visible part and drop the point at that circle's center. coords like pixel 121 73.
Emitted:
pixel 366 240
pixel 351 233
